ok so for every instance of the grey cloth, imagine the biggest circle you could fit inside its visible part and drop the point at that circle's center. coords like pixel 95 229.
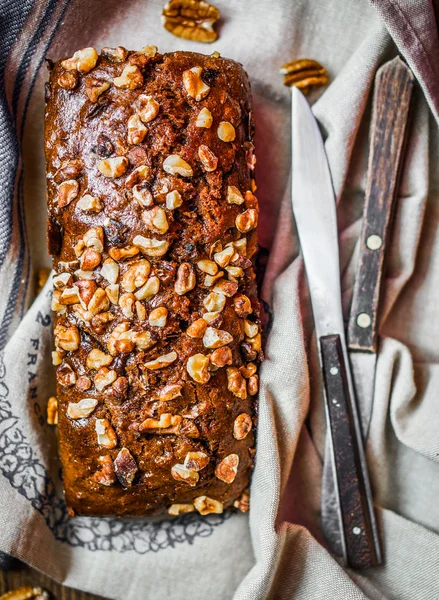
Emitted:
pixel 277 552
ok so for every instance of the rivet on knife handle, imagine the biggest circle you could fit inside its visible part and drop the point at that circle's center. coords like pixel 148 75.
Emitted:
pixel 359 541
pixel 392 94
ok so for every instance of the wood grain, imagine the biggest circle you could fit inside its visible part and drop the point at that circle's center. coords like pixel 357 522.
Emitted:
pixel 24 575
pixel 360 551
pixel 391 103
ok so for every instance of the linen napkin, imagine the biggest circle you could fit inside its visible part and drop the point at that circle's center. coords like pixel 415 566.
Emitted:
pixel 277 552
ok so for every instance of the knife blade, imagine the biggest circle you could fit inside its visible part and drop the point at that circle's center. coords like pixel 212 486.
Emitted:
pixel 393 90
pixel 315 215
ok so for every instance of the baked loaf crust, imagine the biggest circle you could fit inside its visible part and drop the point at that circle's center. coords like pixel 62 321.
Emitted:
pixel 152 227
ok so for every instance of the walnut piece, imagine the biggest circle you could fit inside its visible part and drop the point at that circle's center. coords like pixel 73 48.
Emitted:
pixel 236 383
pixel 131 78
pixel 173 200
pixel 161 361
pixel 197 367
pixel 243 306
pixel 191 20
pixel 196 461
pixel 65 375
pixel 215 302
pixel 149 290
pixel 247 220
pixel 81 409
pixel 68 191
pixel 226 132
pixel 169 392
pixel 118 54
pixel 186 279
pixel 136 276
pixel 216 338
pixel 104 378
pixel 242 426
pixel 194 85
pixel 227 469
pixel 206 505
pixel 67 338
pixel 180 509
pixel 197 329
pixel 52 411
pixel 125 468
pixel 208 266
pixel 89 203
pixel 110 270
pixel 175 165
pixel 26 592
pixel 165 421
pixel 136 130
pixel 158 317
pixel 181 473
pixel 106 475
pixel 95 87
pixel 106 435
pixel 155 219
pixel 204 118
pixel 113 167
pixel 151 246
pixel 221 357
pixel 304 74
pixel 83 60
pixel 234 196
pixel 147 108
pixel 208 158
pixel 97 359
pixel 243 502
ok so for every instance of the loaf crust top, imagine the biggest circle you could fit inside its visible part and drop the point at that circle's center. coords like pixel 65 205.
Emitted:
pixel 152 228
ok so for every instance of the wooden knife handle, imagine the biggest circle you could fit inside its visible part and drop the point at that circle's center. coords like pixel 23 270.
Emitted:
pixel 360 551
pixel 391 102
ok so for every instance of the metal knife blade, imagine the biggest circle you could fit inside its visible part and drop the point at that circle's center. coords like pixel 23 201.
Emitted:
pixel 390 113
pixel 315 214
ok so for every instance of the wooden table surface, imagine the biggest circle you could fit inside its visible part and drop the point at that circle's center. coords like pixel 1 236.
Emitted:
pixel 23 575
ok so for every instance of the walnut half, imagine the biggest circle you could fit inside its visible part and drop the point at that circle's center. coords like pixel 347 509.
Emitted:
pixel 191 20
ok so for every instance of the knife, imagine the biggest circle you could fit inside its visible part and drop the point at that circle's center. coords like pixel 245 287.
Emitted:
pixel 355 531
pixel 390 114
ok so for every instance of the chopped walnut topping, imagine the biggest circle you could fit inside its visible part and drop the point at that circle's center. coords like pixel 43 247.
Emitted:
pixel 198 368
pixel 151 246
pixel 215 302
pixel 113 167
pixel 60 281
pixel 89 203
pixel 234 196
pixel 155 219
pixel 68 80
pixel 243 306
pixel 242 426
pixel 228 288
pixel 213 318
pixel 149 290
pixel 68 191
pixel 147 108
pixel 69 296
pixel 209 280
pixel 140 311
pixel 67 338
pixel 250 329
pixel 186 279
pixel 234 273
pixel 130 79
pixel 56 358
pixel 99 321
pixel 114 336
pixel 208 266
pixel 83 60
pixel 106 475
pixel 126 303
pixel 216 338
pixel 81 409
pixel 106 435
pixel 110 270
pixel 104 378
pixel 221 357
pixel 241 246
pixel 173 200
pixel 206 505
pixel 204 118
pixel 112 292
pixel 169 392
pixel 125 468
pixel 194 85
pixel 118 54
pixel 83 384
pixel 250 200
pixel 65 375
pixel 83 315
pixel 90 260
pixel 253 385
pixel 142 339
pixel 143 195
pixel 52 411
pixel 208 158
pixel 138 176
pixel 181 473
pixel 95 87
pixel 158 317
pixel 94 238
pixel 79 248
pixel 97 359
pixel 247 220
pixel 197 328
pixel 122 253
pixel 248 371
pixel 136 130
pixel 196 461
pixel 99 303
pixel 136 276
pixel 227 469
pixel 179 509
pixel 165 421
pixel 150 51
pixel 226 131
pixel 255 342
pixel 236 383
pixel 175 165
pixel 243 502
pixel 161 361
pixel 223 258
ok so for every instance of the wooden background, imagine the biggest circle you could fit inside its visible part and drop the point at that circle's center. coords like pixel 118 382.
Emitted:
pixel 21 574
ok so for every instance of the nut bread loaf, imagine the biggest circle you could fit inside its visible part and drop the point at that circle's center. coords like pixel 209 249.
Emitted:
pixel 152 228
